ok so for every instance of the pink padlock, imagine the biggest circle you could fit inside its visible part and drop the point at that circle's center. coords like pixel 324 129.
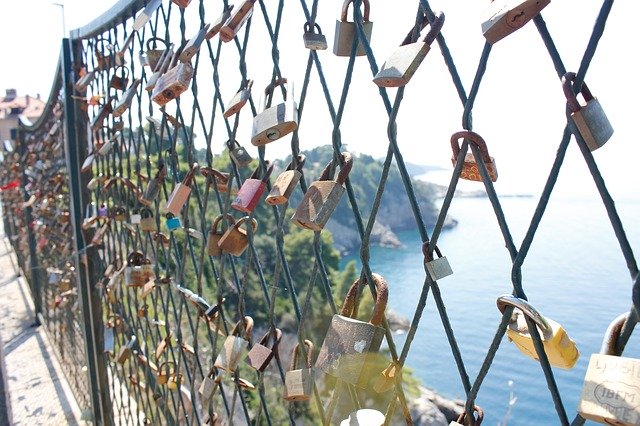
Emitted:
pixel 181 192
pixel 252 189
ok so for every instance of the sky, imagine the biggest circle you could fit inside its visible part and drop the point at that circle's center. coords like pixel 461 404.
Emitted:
pixel 519 109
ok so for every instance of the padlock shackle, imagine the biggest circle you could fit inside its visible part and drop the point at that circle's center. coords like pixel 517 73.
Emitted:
pixel 308 28
pixel 254 223
pixel 345 10
pixel 210 172
pixel 256 171
pixel 528 310
pixel 301 159
pixel 168 364
pixel 428 256
pixel 382 294
pixel 572 99
pixel 277 335
pixel 230 219
pixel 165 57
pixel 477 421
pixel 188 179
pixel 612 335
pixel 125 44
pixel 473 138
pixel 296 351
pixel 135 258
pixel 268 91
pixel 248 328
pixel 436 26
pixel 345 169
pixel 146 212
pixel 156 39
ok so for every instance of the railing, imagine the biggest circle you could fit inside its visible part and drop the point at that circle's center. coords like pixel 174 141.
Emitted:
pixel 143 302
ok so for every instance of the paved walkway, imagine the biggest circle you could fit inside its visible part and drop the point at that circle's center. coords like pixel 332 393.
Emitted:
pixel 33 390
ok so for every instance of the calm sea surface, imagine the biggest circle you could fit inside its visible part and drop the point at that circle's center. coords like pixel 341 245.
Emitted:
pixel 574 273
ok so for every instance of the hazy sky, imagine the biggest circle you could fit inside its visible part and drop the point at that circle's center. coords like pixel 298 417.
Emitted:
pixel 519 110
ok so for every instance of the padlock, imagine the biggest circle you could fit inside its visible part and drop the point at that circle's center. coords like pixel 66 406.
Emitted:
pixel 108 338
pixel 437 268
pixel 260 354
pixel 135 217
pixel 127 97
pixel 64 285
pixel 462 418
pixel 193 45
pixel 154 186
pixel 470 170
pixel 350 347
pixel 590 119
pixel 286 182
pixel 209 385
pixel 163 65
pixel 235 240
pixel 364 417
pixel 238 154
pixel 119 214
pixel 84 81
pixel 322 197
pixel 313 37
pixel 147 221
pixel 504 17
pixel 346 31
pixel 147 288
pixel 181 3
pixel 138 271
pixel 236 20
pixel 239 99
pixel 235 347
pixel 560 349
pixel 219 23
pixel 103 211
pixel 215 234
pixel 174 82
pixel 298 382
pixel 143 310
pixel 172 222
pixel 87 164
pixel 119 82
pixel 252 189
pixel 611 390
pixel 96 181
pixel 403 63
pixel 152 56
pixel 102 115
pixel 221 179
pixel 106 147
pixel 278 120
pixel 126 350
pixel 163 345
pixel 110 60
pixel 165 370
pixel 181 192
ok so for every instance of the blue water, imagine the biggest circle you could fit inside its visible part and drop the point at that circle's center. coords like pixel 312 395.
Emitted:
pixel 574 273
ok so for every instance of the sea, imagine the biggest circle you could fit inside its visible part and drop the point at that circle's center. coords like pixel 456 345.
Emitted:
pixel 575 274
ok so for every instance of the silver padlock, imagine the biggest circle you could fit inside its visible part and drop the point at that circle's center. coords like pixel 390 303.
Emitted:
pixel 239 100
pixel 437 268
pixel 346 31
pixel 238 154
pixel 590 120
pixel 313 37
pixel 506 16
pixel 278 120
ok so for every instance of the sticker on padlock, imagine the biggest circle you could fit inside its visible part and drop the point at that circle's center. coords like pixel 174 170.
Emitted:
pixel 238 154
pixel 286 182
pixel 364 417
pixel 611 390
pixel 220 179
pixel 350 347
pixel 275 121
pixel 261 354
pixel 235 347
pixel 462 418
pixel 152 55
pixel 239 99
pixel 504 17
pixel 437 268
pixel 181 192
pixel 215 234
pixel 251 191
pixel 193 45
pixel 403 63
pixel 590 120
pixel 219 23
pixel 470 169
pixel 313 37
pixel 173 82
pixel 235 240
pixel 298 382
pixel 558 346
pixel 238 17
pixel 119 80
pixel 127 97
pixel 346 33
pixel 322 197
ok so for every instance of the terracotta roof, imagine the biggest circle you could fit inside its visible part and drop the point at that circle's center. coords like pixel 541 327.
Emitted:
pixel 32 108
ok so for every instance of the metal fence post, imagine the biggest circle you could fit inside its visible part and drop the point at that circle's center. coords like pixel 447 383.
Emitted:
pixel 75 143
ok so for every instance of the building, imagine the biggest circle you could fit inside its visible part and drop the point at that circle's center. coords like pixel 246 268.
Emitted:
pixel 13 106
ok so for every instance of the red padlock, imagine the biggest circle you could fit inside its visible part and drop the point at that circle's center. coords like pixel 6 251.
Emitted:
pixel 252 189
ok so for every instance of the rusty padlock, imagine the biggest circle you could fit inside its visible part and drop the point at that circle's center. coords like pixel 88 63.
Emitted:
pixel 174 82
pixel 261 354
pixel 235 240
pixel 276 121
pixel 322 197
pixel 119 82
pixel 403 63
pixel 215 234
pixel 219 23
pixel 221 179
pixel 153 55
pixel 239 99
pixel 193 45
pixel 236 20
pixel 437 268
pixel 590 120
pixel 286 182
pixel 238 154
pixel 127 97
pixel 235 347
pixel 470 170
pixel 252 189
pixel 504 17
pixel 298 382
pixel 350 346
pixel 346 33
pixel 313 37
pixel 181 192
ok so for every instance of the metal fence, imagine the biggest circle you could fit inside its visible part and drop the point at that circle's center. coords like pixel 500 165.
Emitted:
pixel 141 304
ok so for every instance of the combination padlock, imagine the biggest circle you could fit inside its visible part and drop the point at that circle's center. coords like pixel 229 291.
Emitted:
pixel 235 240
pixel 235 346
pixel 313 37
pixel 298 382
pixel 239 99
pixel 504 17
pixel 286 182
pixel 470 170
pixel 276 121
pixel 252 189
pixel 346 33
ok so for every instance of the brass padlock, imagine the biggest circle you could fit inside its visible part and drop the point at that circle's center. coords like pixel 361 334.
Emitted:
pixel 346 33
pixel 286 182
pixel 118 213
pixel 590 119
pixel 560 349
pixel 239 99
pixel 215 234
pixel 221 179
pixel 260 354
pixel 462 418
pixel 252 189
pixel 163 345
pixel 235 240
pixel 350 346
pixel 181 192
pixel 126 350
pixel 235 347
pixel 298 382
pixel 437 268
pixel 219 23
pixel 165 370
pixel 193 45
pixel 119 82
pixel 276 121
pixel 504 17
pixel 152 56
pixel 147 221
pixel 364 417
pixel 154 186
pixel 403 63
pixel 174 82
pixel 313 37
pixel 109 60
pixel 161 67
pixel 238 154
pixel 236 20
pixel 138 271
pixel 127 97
pixel 470 170
pixel 322 197
pixel 611 390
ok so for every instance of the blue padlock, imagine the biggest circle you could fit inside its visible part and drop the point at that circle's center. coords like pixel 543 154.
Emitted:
pixel 173 222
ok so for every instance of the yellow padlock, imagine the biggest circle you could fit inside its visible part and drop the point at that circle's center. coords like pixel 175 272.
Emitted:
pixel 560 349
